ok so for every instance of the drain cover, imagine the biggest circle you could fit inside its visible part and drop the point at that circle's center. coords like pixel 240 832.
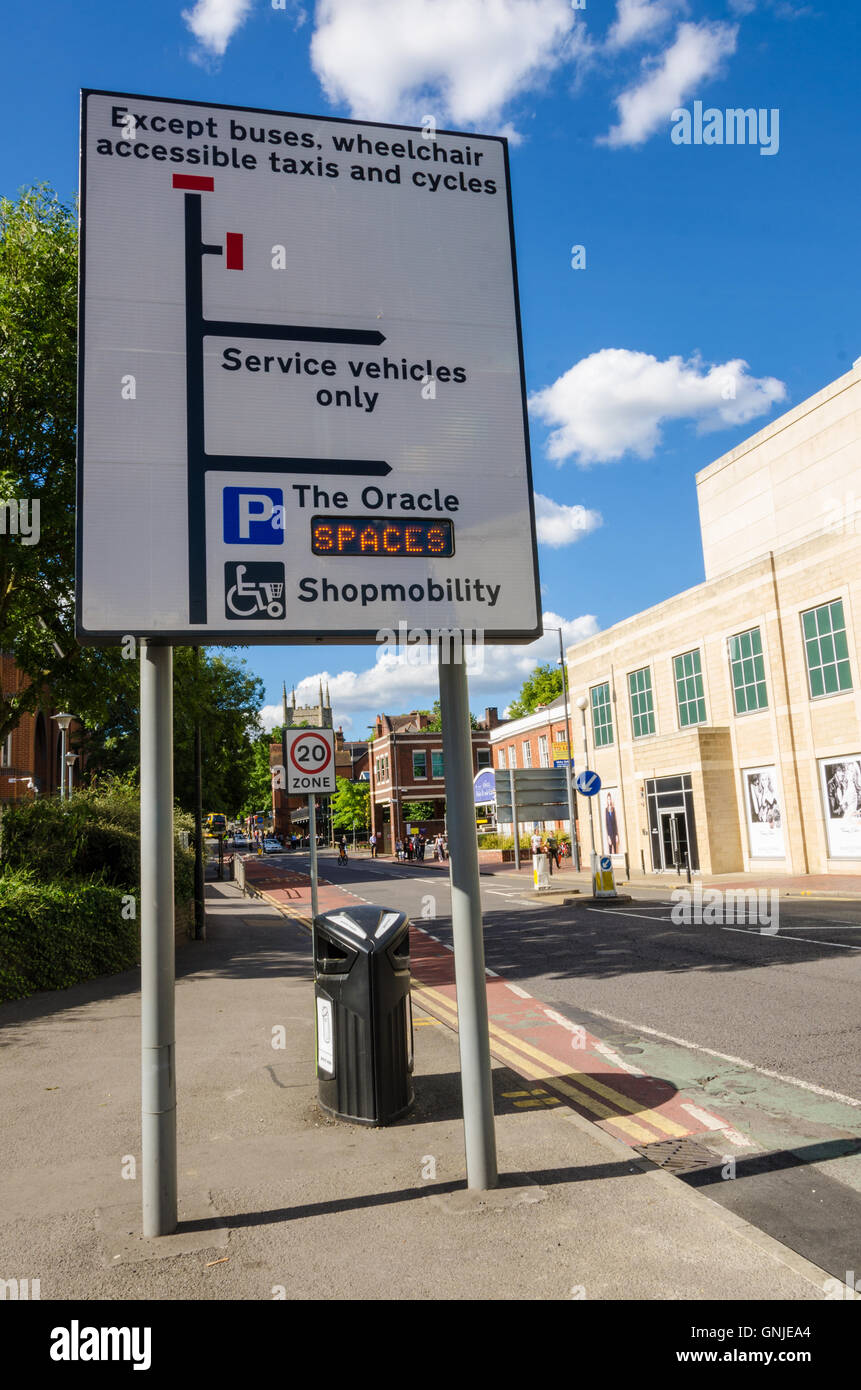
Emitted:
pixel 679 1155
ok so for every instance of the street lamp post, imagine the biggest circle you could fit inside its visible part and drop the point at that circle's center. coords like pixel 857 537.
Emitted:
pixel 64 721
pixel 582 705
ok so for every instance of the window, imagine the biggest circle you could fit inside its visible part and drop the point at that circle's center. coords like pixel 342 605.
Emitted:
pixel 420 763
pixel 689 689
pixel 602 715
pixel 527 754
pixel 747 666
pixel 826 649
pixel 642 708
pixel 382 767
pixel 482 758
pixel 436 763
pixel 6 752
pixel 512 755
pixel 502 757
pixel 543 751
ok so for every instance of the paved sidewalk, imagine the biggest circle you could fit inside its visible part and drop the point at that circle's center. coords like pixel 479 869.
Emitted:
pixel 275 1197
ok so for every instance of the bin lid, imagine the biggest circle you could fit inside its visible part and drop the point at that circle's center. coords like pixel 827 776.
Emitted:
pixel 367 927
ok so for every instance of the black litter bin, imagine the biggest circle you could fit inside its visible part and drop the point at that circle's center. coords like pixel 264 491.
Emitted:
pixel 364 1014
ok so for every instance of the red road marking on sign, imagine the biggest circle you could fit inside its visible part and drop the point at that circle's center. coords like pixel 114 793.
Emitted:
pixel 197 182
pixel 233 251
pixel 318 767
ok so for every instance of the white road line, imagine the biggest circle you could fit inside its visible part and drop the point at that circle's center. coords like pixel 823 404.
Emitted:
pixel 746 931
pixel 727 1057
pixel 491 972
pixel 785 936
pixel 515 989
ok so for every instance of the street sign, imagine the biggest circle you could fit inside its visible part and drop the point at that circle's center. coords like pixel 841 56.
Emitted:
pixel 310 761
pixel 484 787
pixel 301 390
pixel 563 762
pixel 588 783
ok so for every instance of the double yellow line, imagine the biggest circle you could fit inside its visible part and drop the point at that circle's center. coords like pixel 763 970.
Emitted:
pixel 581 1088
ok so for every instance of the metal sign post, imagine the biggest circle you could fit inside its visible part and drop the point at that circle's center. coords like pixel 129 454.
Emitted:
pixel 514 818
pixel 158 1037
pixel 312 844
pixel 473 1028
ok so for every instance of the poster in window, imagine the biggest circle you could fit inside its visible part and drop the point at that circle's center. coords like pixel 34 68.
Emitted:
pixel 764 811
pixel 611 820
pixel 841 795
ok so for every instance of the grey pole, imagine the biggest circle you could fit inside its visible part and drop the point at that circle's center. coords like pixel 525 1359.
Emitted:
pixel 473 1027
pixel 158 1062
pixel 575 849
pixel 62 763
pixel 312 845
pixel 514 818
pixel 590 799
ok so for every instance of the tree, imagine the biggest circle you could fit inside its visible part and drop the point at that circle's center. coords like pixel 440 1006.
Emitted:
pixel 351 805
pixel 544 684
pixel 435 725
pixel 38 303
pixel 258 791
pixel 417 811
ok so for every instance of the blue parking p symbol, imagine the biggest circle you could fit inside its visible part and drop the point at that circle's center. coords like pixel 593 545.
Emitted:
pixel 254 516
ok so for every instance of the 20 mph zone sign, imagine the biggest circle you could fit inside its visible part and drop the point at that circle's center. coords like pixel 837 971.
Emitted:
pixel 310 760
pixel 301 385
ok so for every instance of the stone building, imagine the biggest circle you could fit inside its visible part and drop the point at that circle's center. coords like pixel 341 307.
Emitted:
pixel 725 723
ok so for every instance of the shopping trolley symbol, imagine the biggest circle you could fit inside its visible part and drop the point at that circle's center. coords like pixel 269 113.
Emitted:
pixel 254 590
pixel 198 328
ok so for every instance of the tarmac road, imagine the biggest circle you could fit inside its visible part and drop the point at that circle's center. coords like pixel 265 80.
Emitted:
pixel 762 1025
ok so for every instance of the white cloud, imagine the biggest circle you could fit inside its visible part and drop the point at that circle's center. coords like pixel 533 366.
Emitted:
pixel 639 20
pixel 214 22
pixel 615 401
pixel 401 680
pixel 459 60
pixel 558 524
pixel 692 58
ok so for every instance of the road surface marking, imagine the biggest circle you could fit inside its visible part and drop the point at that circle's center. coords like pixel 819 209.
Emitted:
pixel 515 989
pixel 550 1071
pixel 784 936
pixel 727 1057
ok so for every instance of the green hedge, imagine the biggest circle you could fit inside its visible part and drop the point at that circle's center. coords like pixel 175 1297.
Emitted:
pixel 54 934
pixel 94 834
pixel 65 867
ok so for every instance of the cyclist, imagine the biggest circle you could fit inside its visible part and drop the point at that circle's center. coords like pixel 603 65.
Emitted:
pixel 342 850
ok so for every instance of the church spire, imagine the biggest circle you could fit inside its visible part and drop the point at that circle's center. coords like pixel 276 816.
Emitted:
pixel 284 701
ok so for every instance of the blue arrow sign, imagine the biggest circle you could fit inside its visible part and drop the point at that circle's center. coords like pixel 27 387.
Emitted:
pixel 588 783
pixel 606 863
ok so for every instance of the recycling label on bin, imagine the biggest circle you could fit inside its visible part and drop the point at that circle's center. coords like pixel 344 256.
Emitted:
pixel 325 1036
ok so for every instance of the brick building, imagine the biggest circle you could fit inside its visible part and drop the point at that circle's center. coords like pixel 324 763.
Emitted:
pixel 31 753
pixel 725 723
pixel 406 766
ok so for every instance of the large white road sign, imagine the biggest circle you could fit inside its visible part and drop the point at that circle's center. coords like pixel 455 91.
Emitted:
pixel 302 411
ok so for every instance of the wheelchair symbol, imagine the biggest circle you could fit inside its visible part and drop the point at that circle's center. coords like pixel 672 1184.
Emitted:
pixel 260 595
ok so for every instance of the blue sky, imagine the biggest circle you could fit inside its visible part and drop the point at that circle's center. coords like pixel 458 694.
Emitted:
pixel 720 283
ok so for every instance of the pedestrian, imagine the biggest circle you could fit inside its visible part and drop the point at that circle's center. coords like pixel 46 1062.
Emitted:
pixel 373 843
pixel 550 851
pixel 535 843
pixel 399 849
pixel 553 850
pixel 421 847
